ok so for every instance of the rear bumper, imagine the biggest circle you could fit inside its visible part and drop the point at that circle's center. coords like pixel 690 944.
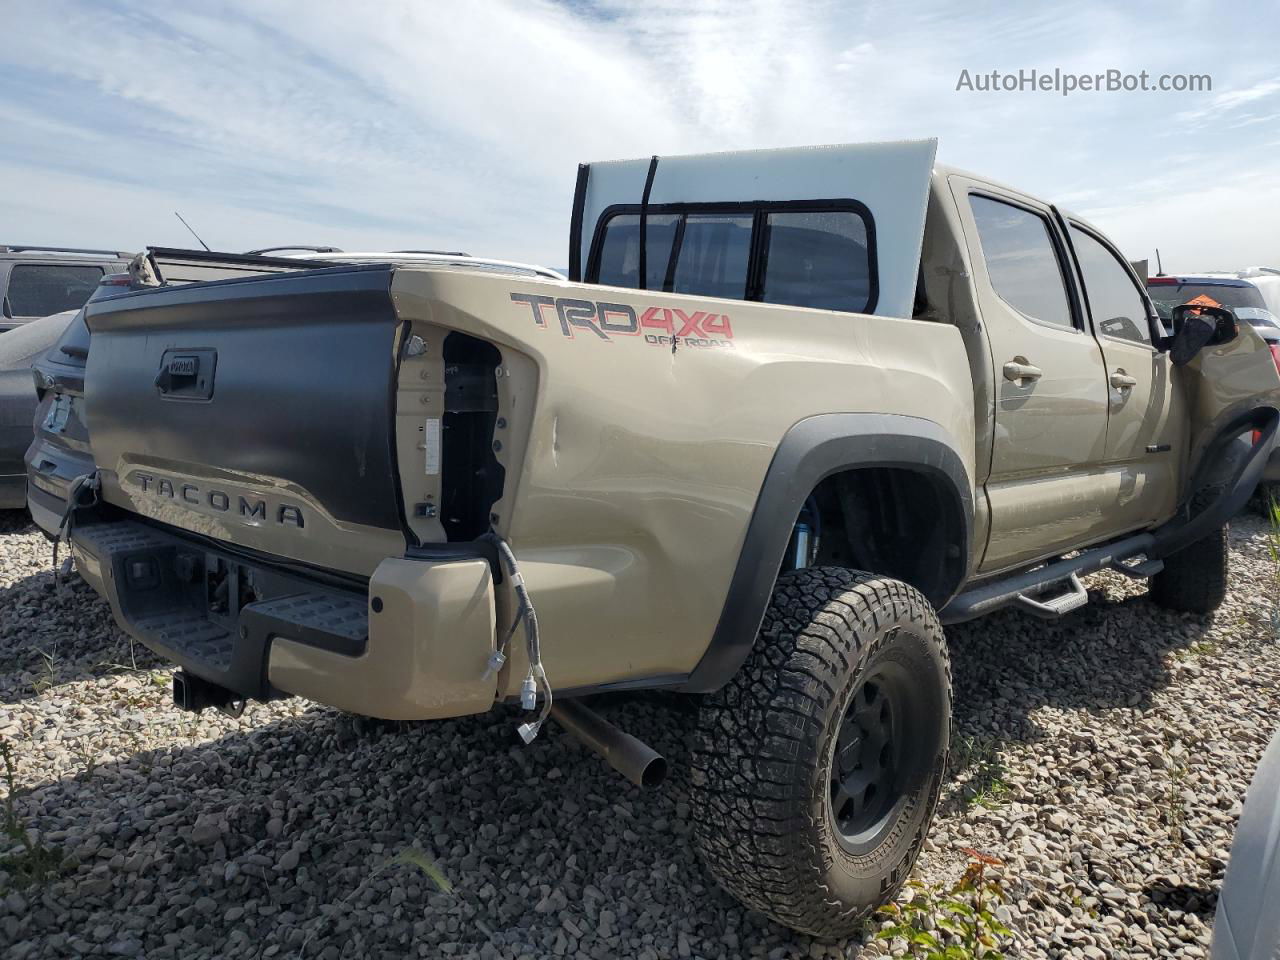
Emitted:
pixel 52 466
pixel 414 647
pixel 46 509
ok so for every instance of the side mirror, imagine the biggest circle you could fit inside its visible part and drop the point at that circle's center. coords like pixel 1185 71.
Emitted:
pixel 1196 327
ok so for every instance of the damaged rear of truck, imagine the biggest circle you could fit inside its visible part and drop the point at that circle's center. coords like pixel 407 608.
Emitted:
pixel 317 456
pixel 796 410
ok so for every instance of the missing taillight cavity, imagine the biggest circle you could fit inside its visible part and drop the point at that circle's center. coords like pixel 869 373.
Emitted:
pixel 472 476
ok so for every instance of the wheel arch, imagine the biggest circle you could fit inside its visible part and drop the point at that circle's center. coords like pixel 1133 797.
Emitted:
pixel 813 451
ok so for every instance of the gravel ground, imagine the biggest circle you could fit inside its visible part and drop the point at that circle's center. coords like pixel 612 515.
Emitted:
pixel 1102 757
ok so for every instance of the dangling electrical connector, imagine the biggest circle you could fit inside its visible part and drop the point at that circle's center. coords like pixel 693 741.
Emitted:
pixel 81 495
pixel 537 676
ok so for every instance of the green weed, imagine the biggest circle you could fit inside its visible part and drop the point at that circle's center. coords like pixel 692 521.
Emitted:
pixel 952 923
pixel 35 862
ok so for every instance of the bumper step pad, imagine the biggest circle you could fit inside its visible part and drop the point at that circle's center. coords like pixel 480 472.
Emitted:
pixel 213 613
pixel 325 620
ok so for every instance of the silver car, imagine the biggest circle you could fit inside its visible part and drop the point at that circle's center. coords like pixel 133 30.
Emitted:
pixel 1247 926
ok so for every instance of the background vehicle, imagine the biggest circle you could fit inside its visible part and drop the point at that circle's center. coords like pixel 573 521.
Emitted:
pixel 1266 279
pixel 41 281
pixel 1247 926
pixel 1243 296
pixel 796 410
pixel 19 349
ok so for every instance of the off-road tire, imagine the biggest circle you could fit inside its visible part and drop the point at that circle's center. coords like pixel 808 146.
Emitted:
pixel 1194 580
pixel 764 749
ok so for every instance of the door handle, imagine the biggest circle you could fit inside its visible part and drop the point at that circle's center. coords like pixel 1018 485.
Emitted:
pixel 1018 370
pixel 1122 381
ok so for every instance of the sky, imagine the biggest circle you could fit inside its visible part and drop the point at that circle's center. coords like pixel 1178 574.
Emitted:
pixel 414 124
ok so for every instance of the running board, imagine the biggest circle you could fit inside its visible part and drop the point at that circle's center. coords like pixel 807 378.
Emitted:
pixel 1075 598
pixel 1177 534
pixel 989 597
pixel 1138 570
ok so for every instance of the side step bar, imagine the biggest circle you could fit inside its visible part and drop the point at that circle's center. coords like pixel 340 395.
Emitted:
pixel 1179 532
pixel 1075 598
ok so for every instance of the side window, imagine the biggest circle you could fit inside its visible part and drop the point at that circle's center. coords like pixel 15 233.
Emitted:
pixel 817 259
pixel 39 289
pixel 1117 307
pixel 713 256
pixel 1021 260
pixel 620 250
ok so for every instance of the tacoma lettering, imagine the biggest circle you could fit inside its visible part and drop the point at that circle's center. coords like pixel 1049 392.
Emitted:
pixel 251 510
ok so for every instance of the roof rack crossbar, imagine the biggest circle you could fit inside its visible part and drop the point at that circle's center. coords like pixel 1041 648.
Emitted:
pixel 28 248
pixel 440 253
pixel 293 246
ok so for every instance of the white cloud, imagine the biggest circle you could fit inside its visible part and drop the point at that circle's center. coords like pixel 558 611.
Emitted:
pixel 402 124
pixel 1235 98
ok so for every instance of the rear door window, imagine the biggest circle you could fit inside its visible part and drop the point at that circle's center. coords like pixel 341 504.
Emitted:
pixel 39 289
pixel 1118 308
pixel 817 259
pixel 1022 260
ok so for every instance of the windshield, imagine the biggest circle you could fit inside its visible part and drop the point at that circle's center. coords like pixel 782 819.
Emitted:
pixel 1166 296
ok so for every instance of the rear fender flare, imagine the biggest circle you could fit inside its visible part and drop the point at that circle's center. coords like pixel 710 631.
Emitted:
pixel 810 451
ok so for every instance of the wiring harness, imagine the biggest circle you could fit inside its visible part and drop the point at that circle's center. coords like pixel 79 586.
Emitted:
pixel 86 484
pixel 537 676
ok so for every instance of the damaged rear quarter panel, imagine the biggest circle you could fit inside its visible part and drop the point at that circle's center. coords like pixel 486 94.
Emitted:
pixel 633 465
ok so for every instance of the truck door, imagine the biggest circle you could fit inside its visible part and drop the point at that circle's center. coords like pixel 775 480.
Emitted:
pixel 1048 476
pixel 1146 426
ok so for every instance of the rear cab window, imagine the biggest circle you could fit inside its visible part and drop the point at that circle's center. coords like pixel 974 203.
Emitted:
pixel 619 255
pixel 712 256
pixel 818 254
pixel 41 289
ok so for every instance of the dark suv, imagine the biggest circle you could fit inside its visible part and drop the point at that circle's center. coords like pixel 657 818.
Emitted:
pixel 42 288
pixel 39 281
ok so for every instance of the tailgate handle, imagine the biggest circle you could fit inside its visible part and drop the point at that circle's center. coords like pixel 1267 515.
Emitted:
pixel 186 374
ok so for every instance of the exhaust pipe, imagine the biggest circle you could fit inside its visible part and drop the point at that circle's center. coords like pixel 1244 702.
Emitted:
pixel 636 761
pixel 194 694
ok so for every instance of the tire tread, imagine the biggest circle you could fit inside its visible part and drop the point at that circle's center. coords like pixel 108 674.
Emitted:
pixel 758 738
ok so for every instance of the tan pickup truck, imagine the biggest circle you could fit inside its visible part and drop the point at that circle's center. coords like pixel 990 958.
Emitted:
pixel 794 411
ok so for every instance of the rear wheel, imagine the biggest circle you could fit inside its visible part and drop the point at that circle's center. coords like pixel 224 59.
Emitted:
pixel 817 768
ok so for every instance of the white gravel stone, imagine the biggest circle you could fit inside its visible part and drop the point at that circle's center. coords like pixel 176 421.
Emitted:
pixel 1102 757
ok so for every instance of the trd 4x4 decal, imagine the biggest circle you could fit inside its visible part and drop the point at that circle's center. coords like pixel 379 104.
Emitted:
pixel 664 326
